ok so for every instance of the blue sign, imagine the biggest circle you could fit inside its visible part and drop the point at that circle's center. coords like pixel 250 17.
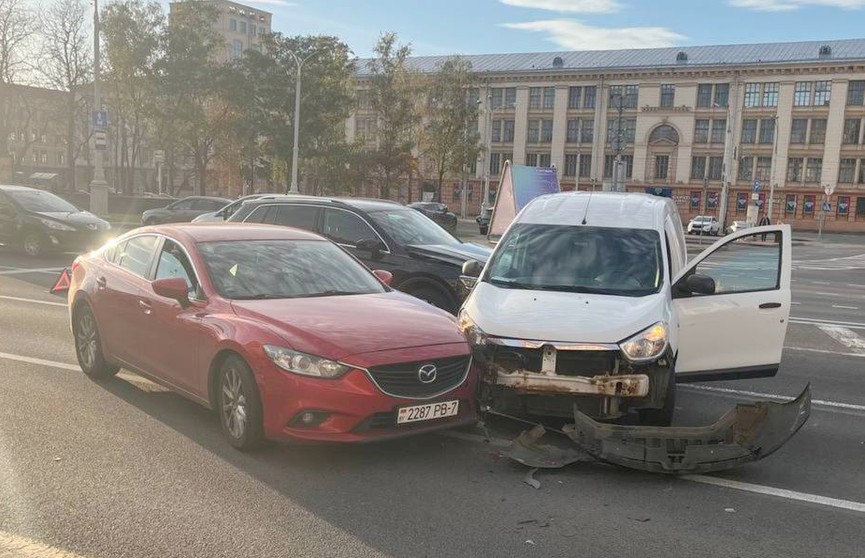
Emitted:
pixel 756 186
pixel 100 119
pixel 827 206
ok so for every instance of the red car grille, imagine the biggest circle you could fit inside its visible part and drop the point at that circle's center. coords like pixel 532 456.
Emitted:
pixel 403 380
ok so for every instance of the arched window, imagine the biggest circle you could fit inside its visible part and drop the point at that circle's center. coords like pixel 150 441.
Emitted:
pixel 664 134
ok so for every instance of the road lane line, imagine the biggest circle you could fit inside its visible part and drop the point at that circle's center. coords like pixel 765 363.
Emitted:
pixel 821 282
pixel 845 307
pixel 794 303
pixel 22 547
pixel 24 271
pixel 818 321
pixel 845 336
pixel 774 397
pixel 33 300
pixel 823 351
pixel 826 294
pixel 778 492
pixel 40 361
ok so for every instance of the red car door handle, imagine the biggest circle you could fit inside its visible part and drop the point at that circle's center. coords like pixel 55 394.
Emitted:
pixel 101 282
pixel 145 306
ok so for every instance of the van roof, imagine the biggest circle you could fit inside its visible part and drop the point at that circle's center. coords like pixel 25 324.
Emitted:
pixel 605 209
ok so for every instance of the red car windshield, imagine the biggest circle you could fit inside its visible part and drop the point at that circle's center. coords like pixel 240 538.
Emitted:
pixel 263 269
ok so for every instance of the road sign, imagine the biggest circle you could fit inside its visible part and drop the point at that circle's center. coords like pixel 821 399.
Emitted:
pixel 755 196
pixel 756 186
pixel 100 120
pixel 827 206
pixel 829 188
pixel 159 156
pixel 100 140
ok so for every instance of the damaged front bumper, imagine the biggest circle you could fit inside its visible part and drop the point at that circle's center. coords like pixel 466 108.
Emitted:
pixel 633 385
pixel 747 433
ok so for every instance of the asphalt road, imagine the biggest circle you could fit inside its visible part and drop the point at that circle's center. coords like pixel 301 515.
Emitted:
pixel 128 469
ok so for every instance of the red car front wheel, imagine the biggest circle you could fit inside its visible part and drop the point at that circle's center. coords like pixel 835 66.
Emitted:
pixel 239 405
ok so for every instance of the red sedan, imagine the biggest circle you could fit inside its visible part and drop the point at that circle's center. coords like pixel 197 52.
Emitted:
pixel 281 331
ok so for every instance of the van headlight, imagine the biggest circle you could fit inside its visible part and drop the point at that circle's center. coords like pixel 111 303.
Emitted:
pixel 470 330
pixel 647 345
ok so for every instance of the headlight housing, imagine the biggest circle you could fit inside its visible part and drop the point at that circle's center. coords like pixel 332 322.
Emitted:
pixel 647 345
pixel 304 364
pixel 56 225
pixel 470 330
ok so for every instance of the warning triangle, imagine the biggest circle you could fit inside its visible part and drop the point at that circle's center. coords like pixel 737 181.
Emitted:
pixel 62 283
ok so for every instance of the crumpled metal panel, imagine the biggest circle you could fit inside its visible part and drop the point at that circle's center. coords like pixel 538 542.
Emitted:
pixel 749 432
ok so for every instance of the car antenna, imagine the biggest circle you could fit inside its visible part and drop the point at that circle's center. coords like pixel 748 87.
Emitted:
pixel 586 214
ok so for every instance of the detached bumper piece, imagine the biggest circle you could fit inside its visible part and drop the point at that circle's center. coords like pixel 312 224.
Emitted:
pixel 747 433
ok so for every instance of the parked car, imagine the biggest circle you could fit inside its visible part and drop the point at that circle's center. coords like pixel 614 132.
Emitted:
pixel 183 210
pixel 425 260
pixel 596 305
pixel 483 220
pixel 226 211
pixel 280 331
pixel 738 226
pixel 37 222
pixel 704 224
pixel 438 212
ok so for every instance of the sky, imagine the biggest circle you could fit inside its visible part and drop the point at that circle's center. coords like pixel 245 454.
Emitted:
pixel 436 27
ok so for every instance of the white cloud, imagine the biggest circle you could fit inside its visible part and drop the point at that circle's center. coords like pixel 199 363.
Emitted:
pixel 573 35
pixel 573 6
pixel 790 5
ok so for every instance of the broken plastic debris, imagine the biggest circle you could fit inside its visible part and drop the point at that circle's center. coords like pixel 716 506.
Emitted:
pixel 233 270
pixel 530 480
pixel 525 449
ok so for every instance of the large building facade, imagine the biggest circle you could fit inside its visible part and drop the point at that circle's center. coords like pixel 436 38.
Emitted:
pixel 241 26
pixel 743 129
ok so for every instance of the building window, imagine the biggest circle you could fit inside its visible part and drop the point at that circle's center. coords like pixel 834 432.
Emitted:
pixel 540 131
pixel 253 30
pixel 538 159
pixel 503 97
pixel 585 165
pixel 798 130
pixel 34 156
pixel 856 93
pixel 767 130
pixel 43 138
pixel 722 94
pixel 549 97
pixel 802 94
pixel 716 166
pixel 822 93
pixel 508 132
pixel 808 204
pixel 662 166
pixel 495 163
pixel 746 168
pixel 573 135
pixel 574 96
pixel 818 131
pixel 851 131
pixel 861 178
pixel 764 168
pixel 571 162
pixel 814 169
pixel 843 205
pixel 546 131
pixel 698 167
pixel 847 171
pixel 668 95
pixel 749 130
pixel 587 130
pixel 610 161
pixel 629 95
pixel 790 206
pixel 43 157
pixel 718 129
pixel 860 207
pixel 704 95
pixel 535 94
pixel 589 94
pixel 365 129
pixel 236 49
pixel 701 131
pixel 794 169
pixel 496 133
pixel 752 95
pixel 544 160
pixel 629 129
pixel 534 133
pixel 232 25
pixel 242 27
pixel 770 94
pixel 61 159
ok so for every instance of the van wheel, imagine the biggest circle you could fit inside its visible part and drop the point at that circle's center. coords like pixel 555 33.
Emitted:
pixel 664 415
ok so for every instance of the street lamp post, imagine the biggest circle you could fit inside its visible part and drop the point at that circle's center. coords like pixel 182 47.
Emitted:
pixel 295 151
pixel 98 186
pixel 772 178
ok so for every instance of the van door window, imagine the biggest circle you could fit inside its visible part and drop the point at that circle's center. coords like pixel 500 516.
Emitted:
pixel 747 264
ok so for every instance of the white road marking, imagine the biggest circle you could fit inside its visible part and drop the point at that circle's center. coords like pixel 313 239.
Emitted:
pixel 845 336
pixel 40 361
pixel 33 300
pixel 817 321
pixel 24 271
pixel 827 294
pixel 845 307
pixel 823 351
pixel 821 282
pixel 784 398
pixel 22 547
pixel 778 492
pixel 795 303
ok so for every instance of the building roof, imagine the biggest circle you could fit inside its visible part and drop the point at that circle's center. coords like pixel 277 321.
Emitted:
pixel 697 56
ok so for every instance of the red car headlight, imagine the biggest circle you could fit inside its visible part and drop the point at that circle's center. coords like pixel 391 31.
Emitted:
pixel 304 364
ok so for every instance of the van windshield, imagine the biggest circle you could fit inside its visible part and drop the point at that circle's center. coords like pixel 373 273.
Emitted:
pixel 601 260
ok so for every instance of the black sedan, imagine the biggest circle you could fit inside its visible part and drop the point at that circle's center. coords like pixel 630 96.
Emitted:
pixel 184 210
pixel 37 222
pixel 425 260
pixel 483 220
pixel 438 212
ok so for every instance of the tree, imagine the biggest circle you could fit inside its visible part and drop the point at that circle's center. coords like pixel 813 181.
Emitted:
pixel 392 99
pixel 449 137
pixel 131 29
pixel 66 63
pixel 16 27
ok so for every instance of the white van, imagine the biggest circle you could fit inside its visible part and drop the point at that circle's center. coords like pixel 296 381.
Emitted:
pixel 589 298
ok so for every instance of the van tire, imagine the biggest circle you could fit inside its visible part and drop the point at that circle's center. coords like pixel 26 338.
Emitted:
pixel 664 415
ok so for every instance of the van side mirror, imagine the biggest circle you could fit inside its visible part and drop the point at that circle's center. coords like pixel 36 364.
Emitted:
pixel 696 284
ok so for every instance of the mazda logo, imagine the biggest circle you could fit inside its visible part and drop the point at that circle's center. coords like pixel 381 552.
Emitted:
pixel 427 373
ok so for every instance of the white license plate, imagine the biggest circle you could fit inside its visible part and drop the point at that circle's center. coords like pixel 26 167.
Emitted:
pixel 429 411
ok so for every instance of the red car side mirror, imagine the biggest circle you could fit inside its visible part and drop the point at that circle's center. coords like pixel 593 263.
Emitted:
pixel 384 276
pixel 174 288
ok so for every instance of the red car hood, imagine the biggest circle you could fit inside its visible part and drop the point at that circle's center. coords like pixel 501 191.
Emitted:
pixel 337 327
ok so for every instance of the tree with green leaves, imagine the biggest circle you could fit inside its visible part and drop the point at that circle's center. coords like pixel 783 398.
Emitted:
pixel 131 30
pixel 392 97
pixel 450 140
